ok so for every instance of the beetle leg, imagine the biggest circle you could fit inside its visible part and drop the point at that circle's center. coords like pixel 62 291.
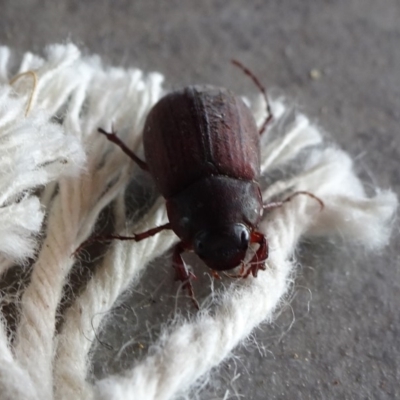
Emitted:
pixel 135 237
pixel 258 261
pixel 261 87
pixel 112 137
pixel 277 204
pixel 183 274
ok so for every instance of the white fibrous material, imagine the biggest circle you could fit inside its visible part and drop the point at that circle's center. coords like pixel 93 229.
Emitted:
pixel 58 174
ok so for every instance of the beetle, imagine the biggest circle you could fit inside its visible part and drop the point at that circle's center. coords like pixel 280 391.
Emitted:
pixel 202 148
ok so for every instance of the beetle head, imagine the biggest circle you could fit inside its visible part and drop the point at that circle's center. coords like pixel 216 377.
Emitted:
pixel 215 217
pixel 224 248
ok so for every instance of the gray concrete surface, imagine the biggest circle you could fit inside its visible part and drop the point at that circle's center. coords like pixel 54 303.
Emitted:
pixel 344 342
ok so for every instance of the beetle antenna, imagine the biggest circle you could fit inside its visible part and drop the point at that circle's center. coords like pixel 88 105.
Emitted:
pixel 263 91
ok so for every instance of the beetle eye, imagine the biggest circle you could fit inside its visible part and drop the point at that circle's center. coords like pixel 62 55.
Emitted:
pixel 198 244
pixel 184 221
pixel 244 237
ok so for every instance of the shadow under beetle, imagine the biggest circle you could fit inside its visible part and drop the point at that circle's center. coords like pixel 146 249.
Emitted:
pixel 202 148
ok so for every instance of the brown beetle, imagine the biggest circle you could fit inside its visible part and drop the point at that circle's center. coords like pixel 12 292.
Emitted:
pixel 202 149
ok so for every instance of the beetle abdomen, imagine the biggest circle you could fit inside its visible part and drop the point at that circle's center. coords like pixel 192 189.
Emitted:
pixel 197 132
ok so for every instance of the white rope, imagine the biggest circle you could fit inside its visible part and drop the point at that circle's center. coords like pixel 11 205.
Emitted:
pixel 56 148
